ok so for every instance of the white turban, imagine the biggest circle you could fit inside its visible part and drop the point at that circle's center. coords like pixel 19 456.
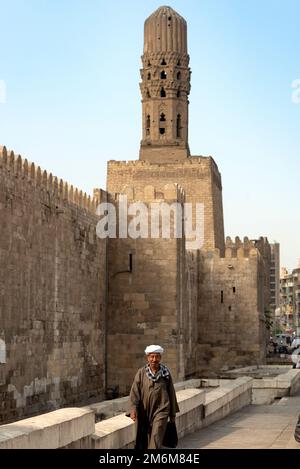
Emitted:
pixel 154 349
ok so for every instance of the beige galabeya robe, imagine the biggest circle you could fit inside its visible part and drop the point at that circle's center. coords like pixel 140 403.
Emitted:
pixel 154 402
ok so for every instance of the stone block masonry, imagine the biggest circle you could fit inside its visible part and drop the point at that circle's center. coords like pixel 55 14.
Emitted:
pixel 148 299
pixel 199 177
pixel 231 314
pixel 52 292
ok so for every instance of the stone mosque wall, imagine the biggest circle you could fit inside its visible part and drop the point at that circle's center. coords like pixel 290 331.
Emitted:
pixel 52 292
pixel 151 298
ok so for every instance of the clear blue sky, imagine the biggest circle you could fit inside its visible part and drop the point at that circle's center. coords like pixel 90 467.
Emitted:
pixel 71 70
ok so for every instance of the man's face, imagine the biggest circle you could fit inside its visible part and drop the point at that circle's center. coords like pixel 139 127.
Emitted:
pixel 154 360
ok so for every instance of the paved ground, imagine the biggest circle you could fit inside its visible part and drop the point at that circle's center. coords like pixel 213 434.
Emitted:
pixel 253 427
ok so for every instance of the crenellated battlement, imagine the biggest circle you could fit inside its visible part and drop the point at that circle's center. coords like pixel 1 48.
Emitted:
pixel 27 171
pixel 238 243
pixel 170 192
pixel 192 160
pixel 239 248
pixel 236 249
pixel 247 247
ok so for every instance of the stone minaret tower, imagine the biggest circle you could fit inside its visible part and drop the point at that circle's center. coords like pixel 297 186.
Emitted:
pixel 165 88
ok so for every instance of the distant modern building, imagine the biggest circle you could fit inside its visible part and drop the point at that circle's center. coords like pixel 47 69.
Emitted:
pixel 296 278
pixel 290 299
pixel 275 277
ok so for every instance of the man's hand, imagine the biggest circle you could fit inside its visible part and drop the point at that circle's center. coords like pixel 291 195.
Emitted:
pixel 133 415
pixel 172 419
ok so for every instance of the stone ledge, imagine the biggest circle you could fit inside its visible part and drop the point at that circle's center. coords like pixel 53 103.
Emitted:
pixel 266 390
pixel 48 431
pixel 224 395
pixel 116 432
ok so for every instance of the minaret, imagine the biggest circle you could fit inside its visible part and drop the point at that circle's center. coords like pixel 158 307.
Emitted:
pixel 165 88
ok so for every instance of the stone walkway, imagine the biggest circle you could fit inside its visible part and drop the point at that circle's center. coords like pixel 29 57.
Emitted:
pixel 253 427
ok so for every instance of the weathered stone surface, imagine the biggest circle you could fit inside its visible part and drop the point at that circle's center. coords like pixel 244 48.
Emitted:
pixel 52 279
pixel 56 429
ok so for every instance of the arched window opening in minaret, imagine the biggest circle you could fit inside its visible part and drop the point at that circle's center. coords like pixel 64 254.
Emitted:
pixel 162 130
pixel 163 62
pixel 178 63
pixel 148 123
pixel 149 63
pixel 149 76
pixel 162 93
pixel 178 94
pixel 178 76
pixel 178 126
pixel 162 117
pixel 148 94
pixel 163 75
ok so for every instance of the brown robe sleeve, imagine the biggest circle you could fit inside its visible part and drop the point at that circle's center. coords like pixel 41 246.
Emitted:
pixel 135 394
pixel 173 399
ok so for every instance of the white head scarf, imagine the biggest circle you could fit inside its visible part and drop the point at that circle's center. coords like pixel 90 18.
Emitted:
pixel 154 349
